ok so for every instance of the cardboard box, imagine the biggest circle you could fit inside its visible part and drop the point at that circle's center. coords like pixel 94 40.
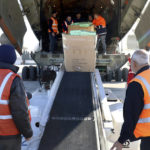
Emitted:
pixel 79 42
pixel 79 53
pixel 77 27
pixel 80 61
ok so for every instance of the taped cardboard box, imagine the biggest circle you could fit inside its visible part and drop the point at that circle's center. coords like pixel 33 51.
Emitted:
pixel 79 42
pixel 80 61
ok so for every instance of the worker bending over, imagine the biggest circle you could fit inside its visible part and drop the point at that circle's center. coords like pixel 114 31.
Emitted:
pixel 137 104
pixel 53 31
pixel 14 104
pixel 66 23
pixel 100 25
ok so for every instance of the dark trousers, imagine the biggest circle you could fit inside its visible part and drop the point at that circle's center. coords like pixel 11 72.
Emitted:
pixel 145 144
pixel 53 43
pixel 101 39
pixel 10 144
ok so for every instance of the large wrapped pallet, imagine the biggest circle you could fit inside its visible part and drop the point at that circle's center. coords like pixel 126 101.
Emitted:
pixel 79 53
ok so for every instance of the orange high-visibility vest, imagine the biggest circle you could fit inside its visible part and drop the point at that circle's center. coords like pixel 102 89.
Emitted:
pixel 54 25
pixel 99 21
pixel 7 125
pixel 143 125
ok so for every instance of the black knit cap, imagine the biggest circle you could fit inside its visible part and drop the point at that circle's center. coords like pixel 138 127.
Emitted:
pixel 7 54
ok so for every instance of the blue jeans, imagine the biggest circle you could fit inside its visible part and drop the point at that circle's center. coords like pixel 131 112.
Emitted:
pixel 53 43
pixel 101 39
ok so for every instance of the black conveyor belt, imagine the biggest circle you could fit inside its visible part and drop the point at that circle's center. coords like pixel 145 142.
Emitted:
pixel 71 124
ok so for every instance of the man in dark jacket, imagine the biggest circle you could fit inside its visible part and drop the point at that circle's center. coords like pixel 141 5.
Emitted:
pixel 19 119
pixel 134 126
pixel 66 23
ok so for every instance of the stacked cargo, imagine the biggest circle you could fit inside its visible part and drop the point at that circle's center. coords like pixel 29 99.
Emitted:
pixel 79 50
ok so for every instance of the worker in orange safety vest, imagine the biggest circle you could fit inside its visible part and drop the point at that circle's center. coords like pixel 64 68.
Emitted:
pixel 66 23
pixel 14 104
pixel 137 104
pixel 53 31
pixel 100 26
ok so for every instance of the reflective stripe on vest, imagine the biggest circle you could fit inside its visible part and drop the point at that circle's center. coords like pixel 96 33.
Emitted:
pixel 66 24
pixel 147 85
pixel 146 106
pixel 4 83
pixel 54 25
pixel 144 120
pixel 5 102
pixel 5 117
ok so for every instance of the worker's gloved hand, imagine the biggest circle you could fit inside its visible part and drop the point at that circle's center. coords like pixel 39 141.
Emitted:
pixel 117 146
pixel 29 95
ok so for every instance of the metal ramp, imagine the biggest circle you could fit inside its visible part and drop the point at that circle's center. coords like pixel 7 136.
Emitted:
pixel 71 125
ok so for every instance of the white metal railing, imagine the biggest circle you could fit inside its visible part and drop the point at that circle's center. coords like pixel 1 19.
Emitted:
pixel 102 97
pixel 52 94
pixel 101 111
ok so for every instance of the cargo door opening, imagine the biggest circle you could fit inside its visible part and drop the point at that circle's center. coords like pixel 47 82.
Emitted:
pixel 110 11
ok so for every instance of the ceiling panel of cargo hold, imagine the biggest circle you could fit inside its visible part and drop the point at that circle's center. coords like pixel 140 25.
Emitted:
pixel 130 13
pixel 82 5
pixel 143 29
pixel 105 7
pixel 12 23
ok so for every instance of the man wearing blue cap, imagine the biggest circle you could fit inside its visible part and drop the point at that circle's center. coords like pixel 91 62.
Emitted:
pixel 14 113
